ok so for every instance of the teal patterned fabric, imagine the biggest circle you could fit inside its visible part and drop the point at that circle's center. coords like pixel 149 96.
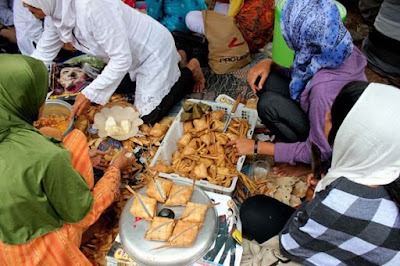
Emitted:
pixel 172 13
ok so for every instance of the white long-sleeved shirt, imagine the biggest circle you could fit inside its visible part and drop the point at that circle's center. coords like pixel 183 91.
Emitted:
pixel 128 41
pixel 28 28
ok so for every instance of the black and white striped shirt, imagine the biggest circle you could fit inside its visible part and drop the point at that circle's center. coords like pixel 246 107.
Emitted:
pixel 345 224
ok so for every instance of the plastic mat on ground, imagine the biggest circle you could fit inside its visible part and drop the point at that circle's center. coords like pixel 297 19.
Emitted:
pixel 230 84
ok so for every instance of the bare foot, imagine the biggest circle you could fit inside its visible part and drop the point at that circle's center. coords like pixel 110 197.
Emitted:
pixel 183 61
pixel 285 169
pixel 199 80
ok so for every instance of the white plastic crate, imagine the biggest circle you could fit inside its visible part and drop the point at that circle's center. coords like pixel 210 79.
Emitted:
pixel 175 132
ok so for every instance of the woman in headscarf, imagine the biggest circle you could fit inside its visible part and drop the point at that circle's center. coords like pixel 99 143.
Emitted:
pixel 293 102
pixel 354 217
pixel 129 41
pixel 46 186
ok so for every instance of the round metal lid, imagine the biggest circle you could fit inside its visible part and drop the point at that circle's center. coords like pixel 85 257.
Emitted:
pixel 132 233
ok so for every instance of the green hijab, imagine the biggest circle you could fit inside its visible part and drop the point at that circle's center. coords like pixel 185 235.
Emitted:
pixel 39 188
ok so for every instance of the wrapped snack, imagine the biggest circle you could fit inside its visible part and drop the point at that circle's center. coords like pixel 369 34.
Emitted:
pixel 160 229
pixel 159 189
pixel 184 235
pixel 179 195
pixel 82 123
pixel 163 168
pixel 144 207
pixel 195 212
pixel 158 130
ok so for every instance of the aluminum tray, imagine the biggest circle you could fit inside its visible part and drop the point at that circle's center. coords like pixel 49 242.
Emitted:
pixel 132 235
pixel 59 107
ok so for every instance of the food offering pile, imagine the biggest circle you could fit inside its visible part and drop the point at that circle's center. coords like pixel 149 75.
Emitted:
pixel 59 122
pixel 203 151
pixel 144 146
pixel 98 241
pixel 181 232
pixel 289 190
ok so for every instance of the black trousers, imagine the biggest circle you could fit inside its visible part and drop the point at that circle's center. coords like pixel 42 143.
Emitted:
pixel 264 217
pixel 183 86
pixel 282 115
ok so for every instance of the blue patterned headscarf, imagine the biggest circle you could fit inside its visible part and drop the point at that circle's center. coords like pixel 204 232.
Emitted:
pixel 314 30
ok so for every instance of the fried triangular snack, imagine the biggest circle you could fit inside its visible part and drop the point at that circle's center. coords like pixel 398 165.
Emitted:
pixel 195 212
pixel 160 229
pixel 179 195
pixel 159 189
pixel 184 235
pixel 144 207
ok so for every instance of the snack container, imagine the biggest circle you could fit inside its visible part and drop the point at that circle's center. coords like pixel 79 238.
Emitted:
pixel 175 132
pixel 59 107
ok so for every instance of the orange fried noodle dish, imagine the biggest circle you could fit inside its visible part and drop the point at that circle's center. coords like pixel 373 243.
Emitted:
pixel 59 122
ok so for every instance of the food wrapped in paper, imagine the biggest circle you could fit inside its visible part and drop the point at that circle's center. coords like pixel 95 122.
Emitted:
pixel 144 207
pixel 195 212
pixel 159 189
pixel 160 229
pixel 179 195
pixel 184 235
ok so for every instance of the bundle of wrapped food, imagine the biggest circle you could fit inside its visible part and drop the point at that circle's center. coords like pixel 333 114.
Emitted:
pixel 177 232
pixel 186 228
pixel 203 151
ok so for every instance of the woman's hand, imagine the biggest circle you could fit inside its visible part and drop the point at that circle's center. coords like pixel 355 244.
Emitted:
pixel 311 183
pixel 80 106
pixel 121 161
pixel 243 146
pixel 97 159
pixel 261 70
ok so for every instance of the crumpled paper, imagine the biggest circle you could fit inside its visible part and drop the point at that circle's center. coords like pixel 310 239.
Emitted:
pixel 265 254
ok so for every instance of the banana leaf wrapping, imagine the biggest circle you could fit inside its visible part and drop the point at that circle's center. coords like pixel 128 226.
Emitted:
pixel 144 207
pixel 193 110
pixel 179 196
pixel 195 212
pixel 160 193
pixel 160 229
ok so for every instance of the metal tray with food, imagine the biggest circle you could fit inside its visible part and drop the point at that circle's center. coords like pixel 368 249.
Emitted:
pixel 145 252
pixel 56 114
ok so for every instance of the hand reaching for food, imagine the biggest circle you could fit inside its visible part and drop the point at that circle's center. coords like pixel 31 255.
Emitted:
pixel 97 159
pixel 242 146
pixel 122 161
pixel 80 106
